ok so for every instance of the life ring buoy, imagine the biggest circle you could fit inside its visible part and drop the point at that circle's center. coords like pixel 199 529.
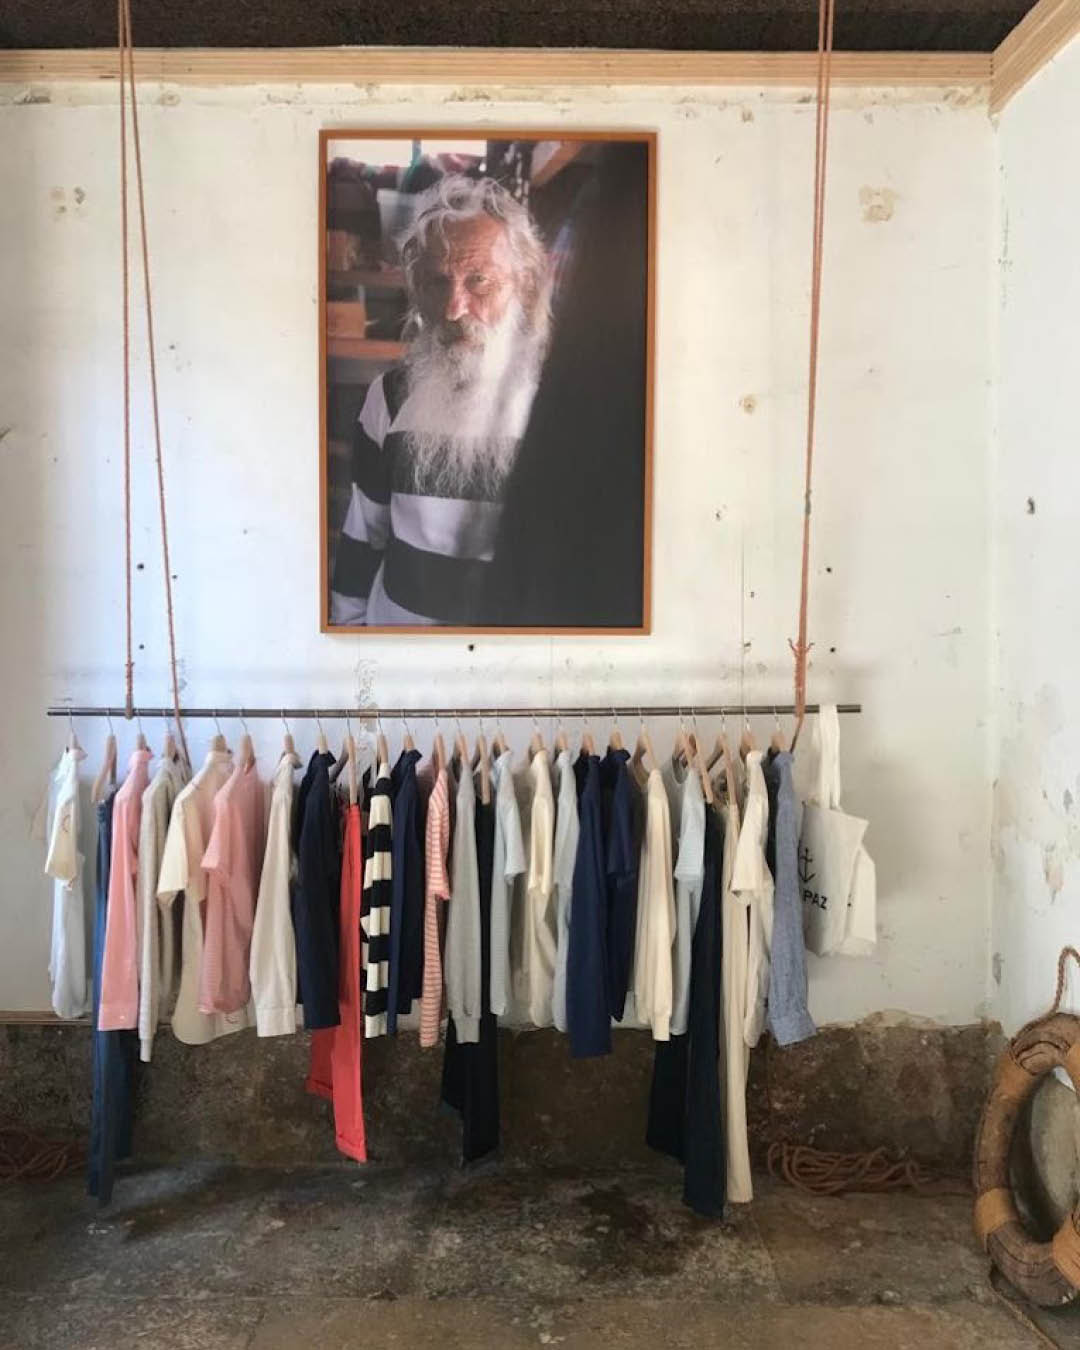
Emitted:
pixel 1047 1273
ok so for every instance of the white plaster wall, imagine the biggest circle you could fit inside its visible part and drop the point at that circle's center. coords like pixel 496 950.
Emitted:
pixel 900 589
pixel 1036 828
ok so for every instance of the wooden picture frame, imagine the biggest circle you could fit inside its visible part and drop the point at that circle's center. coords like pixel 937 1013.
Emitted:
pixel 343 342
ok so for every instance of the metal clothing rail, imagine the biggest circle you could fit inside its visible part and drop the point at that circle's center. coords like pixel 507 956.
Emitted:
pixel 371 713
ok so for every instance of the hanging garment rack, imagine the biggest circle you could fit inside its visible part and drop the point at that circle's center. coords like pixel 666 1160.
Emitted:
pixel 370 713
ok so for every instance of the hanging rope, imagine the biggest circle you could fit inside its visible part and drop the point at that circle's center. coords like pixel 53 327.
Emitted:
pixel 801 647
pixel 127 59
pixel 1063 957
pixel 129 662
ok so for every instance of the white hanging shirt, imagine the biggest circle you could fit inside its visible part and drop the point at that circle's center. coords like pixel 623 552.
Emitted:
pixel 541 931
pixel 155 928
pixel 182 870
pixel 508 863
pixel 655 932
pixel 734 972
pixel 67 845
pixel 752 883
pixel 272 963
pixel 689 878
pixel 564 855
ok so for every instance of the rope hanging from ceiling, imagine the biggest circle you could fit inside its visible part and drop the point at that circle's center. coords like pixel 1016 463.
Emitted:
pixel 801 646
pixel 127 69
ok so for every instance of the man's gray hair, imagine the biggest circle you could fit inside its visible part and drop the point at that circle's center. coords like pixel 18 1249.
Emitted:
pixel 455 198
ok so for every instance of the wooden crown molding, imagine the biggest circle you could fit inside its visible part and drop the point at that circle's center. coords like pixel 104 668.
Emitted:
pixel 1035 40
pixel 496 66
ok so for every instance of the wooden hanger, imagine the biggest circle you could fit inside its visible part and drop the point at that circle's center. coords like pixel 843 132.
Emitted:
pixel 321 743
pixel 561 741
pixel 438 749
pixel 288 745
pixel 461 749
pixel 350 751
pixel 73 740
pixel 706 781
pixel 246 753
pixel 342 759
pixel 588 745
pixel 644 746
pixel 498 741
pixel 168 749
pixel 140 739
pixel 408 741
pixel 382 749
pixel 746 741
pixel 536 741
pixel 107 773
pixel 482 760
pixel 615 740
pixel 218 741
pixel 777 740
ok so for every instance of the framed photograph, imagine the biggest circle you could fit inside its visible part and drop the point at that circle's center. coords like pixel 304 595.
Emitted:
pixel 486 313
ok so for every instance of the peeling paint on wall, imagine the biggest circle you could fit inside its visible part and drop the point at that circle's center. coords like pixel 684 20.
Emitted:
pixel 1022 804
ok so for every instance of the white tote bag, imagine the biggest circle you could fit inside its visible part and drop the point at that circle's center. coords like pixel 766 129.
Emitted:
pixel 836 874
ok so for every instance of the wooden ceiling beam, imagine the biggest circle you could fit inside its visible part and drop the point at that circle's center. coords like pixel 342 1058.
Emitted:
pixel 489 67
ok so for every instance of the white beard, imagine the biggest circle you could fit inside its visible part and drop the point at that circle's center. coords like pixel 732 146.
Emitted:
pixel 468 405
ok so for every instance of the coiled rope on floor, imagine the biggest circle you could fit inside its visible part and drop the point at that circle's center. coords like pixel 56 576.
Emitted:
pixel 820 1173
pixel 25 1156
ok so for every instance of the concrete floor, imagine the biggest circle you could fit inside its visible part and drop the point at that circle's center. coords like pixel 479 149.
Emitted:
pixel 230 1258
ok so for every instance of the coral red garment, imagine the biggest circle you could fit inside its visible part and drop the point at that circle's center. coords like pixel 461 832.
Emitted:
pixel 336 1052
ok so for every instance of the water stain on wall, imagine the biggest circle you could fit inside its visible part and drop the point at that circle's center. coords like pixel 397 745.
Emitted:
pixel 878 204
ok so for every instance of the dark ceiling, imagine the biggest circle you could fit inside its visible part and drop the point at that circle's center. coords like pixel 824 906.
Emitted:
pixel 718 25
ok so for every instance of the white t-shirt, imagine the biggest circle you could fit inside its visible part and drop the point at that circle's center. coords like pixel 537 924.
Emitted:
pixel 67 845
pixel 752 883
pixel 272 963
pixel 689 878
pixel 509 862
pixel 567 830
pixel 182 870
pixel 541 932
pixel 155 928
pixel 655 933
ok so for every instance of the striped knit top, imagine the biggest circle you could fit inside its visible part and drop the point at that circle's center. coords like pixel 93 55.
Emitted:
pixel 375 906
pixel 436 889
pixel 408 553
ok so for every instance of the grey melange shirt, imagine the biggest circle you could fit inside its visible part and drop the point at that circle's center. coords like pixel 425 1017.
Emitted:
pixel 789 1018
pixel 461 959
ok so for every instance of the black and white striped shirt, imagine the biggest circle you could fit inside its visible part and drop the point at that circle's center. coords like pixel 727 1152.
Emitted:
pixel 375 904
pixel 408 553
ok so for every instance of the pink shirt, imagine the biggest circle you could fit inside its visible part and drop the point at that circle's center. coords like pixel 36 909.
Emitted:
pixel 232 864
pixel 120 959
pixel 436 888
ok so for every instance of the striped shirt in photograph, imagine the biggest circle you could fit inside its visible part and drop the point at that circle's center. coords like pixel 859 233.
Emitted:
pixel 408 553
pixel 375 906
pixel 436 889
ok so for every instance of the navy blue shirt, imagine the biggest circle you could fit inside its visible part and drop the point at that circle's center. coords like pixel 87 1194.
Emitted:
pixel 588 1001
pixel 406 974
pixel 316 901
pixel 621 865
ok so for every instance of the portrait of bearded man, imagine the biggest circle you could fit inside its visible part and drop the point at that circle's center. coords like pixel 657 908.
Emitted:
pixel 437 436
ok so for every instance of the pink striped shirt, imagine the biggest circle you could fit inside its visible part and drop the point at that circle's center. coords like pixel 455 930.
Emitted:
pixel 436 888
pixel 232 862
pixel 120 959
